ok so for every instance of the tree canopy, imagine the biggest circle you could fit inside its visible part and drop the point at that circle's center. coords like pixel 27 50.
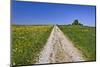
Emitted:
pixel 76 22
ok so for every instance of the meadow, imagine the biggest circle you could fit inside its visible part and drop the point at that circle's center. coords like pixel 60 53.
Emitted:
pixel 83 37
pixel 27 42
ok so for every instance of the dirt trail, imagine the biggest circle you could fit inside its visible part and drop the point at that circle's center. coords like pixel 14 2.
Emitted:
pixel 59 49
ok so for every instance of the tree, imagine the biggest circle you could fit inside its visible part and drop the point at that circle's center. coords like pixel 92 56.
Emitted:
pixel 76 22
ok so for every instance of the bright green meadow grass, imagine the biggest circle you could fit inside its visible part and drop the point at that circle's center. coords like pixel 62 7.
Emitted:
pixel 84 39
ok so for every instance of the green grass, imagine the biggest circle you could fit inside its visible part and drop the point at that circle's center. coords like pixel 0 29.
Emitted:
pixel 27 42
pixel 84 39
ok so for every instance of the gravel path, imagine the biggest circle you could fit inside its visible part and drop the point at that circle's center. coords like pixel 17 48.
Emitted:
pixel 59 49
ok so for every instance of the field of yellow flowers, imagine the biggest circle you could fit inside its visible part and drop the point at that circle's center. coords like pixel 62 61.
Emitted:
pixel 27 42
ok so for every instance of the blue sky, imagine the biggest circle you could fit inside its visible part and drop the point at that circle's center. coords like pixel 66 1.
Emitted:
pixel 46 13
